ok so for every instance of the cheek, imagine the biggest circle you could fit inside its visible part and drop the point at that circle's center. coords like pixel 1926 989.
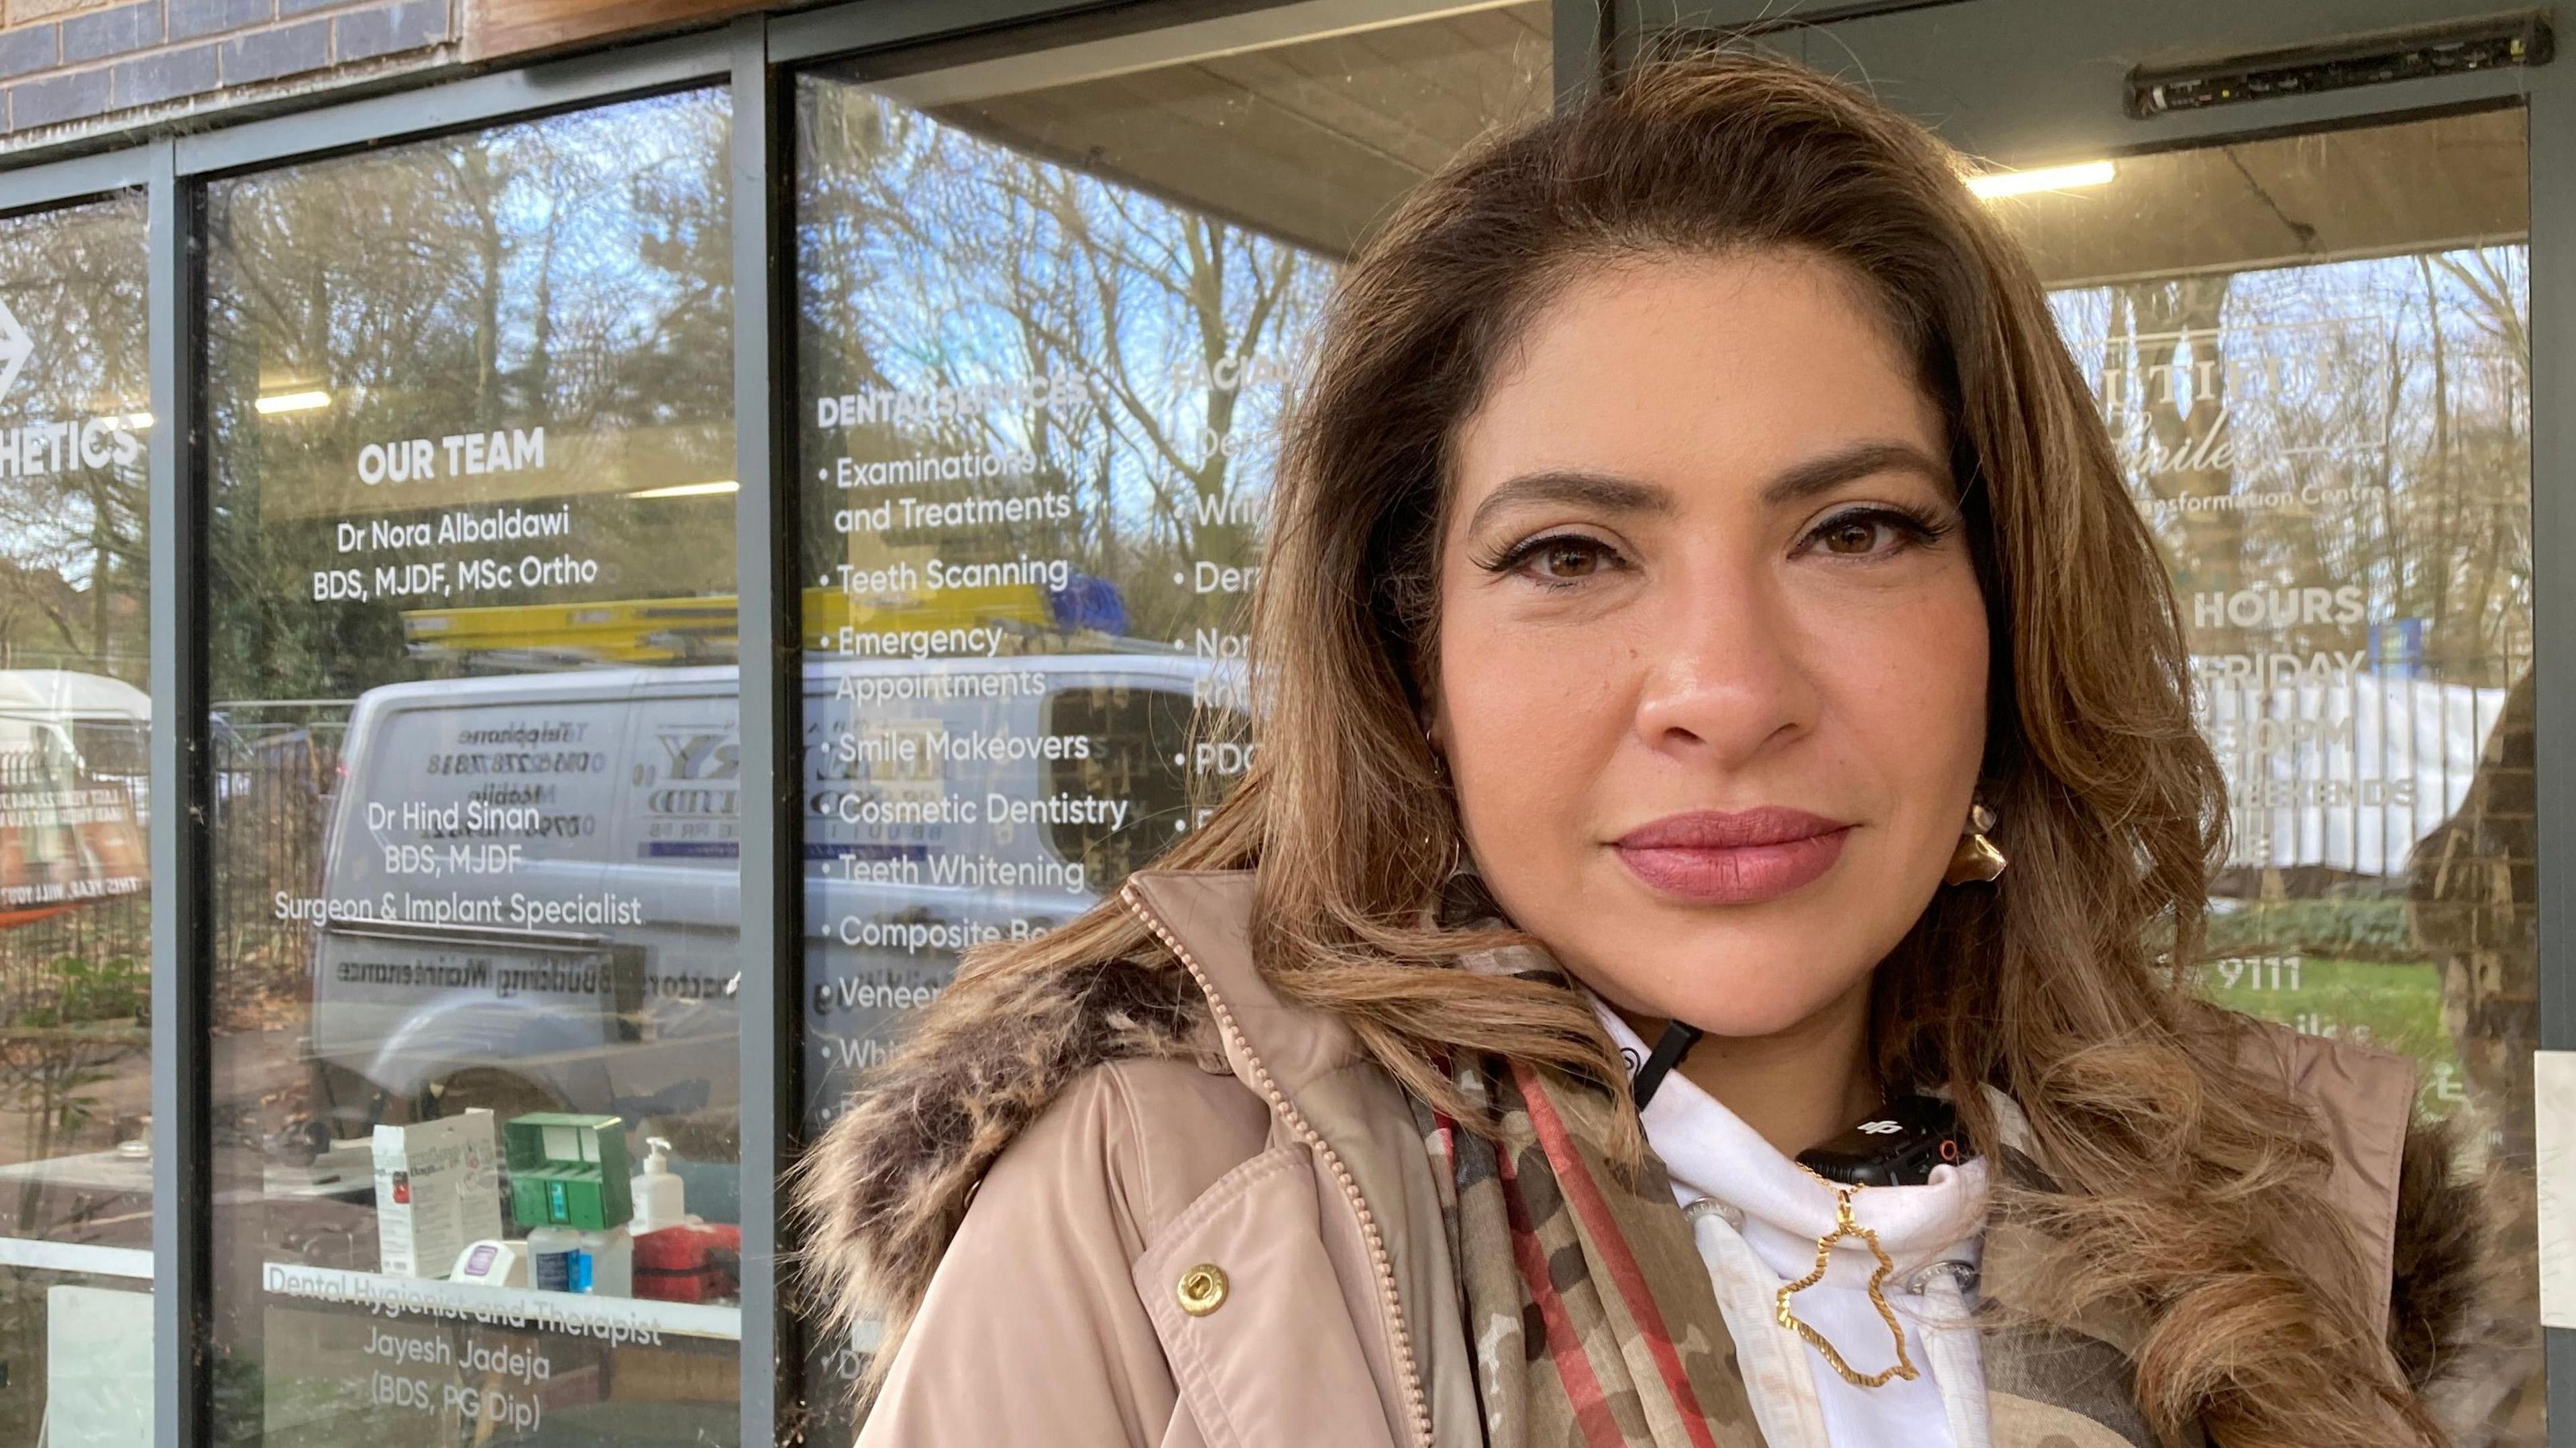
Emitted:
pixel 1511 696
pixel 1911 685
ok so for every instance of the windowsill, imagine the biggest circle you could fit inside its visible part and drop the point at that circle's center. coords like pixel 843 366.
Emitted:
pixel 87 1259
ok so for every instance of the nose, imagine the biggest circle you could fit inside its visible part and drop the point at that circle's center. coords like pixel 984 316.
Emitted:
pixel 1727 677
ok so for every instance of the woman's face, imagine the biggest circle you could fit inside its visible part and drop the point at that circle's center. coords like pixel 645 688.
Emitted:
pixel 1712 652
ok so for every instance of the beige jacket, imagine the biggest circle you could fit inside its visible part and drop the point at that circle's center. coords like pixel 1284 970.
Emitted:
pixel 1023 1190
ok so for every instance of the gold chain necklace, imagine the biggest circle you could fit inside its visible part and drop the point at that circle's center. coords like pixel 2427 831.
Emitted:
pixel 1846 1226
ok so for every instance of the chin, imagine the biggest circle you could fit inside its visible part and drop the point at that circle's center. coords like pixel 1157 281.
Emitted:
pixel 1732 1015
pixel 1762 986
pixel 1721 1000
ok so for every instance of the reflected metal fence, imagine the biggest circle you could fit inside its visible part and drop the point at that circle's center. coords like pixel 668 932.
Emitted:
pixel 277 768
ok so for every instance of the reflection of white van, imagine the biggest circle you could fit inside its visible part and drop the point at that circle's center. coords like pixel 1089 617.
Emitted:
pixel 105 724
pixel 530 890
pixel 74 767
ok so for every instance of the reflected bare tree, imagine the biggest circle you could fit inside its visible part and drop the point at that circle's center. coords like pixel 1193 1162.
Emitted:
pixel 934 258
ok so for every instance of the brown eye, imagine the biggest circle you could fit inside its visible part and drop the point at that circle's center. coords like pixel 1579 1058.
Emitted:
pixel 1852 535
pixel 1870 533
pixel 1558 560
pixel 1569 558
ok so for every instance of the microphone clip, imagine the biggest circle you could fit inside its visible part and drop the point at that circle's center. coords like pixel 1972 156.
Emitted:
pixel 1678 1038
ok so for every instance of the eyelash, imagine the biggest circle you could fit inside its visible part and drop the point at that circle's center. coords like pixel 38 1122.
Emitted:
pixel 1913 529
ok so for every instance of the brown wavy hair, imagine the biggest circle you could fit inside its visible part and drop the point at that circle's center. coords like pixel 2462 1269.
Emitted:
pixel 2184 1187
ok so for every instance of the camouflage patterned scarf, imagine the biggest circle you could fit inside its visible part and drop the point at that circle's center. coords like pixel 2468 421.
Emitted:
pixel 1591 1312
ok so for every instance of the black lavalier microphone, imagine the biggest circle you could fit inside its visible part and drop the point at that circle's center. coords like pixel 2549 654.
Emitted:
pixel 1678 1038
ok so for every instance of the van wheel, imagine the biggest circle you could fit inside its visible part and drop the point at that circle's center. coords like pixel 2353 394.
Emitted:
pixel 505 1094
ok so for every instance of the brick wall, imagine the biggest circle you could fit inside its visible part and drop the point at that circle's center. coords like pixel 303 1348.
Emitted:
pixel 70 67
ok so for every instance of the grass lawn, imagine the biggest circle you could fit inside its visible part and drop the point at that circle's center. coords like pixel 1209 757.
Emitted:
pixel 2393 1005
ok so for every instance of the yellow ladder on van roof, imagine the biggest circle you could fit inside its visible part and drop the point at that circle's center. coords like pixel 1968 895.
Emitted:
pixel 698 630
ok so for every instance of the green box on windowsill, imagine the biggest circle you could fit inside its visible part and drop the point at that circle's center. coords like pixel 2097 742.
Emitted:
pixel 567 1171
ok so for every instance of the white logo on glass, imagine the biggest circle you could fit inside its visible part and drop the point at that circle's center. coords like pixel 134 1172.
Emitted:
pixel 15 348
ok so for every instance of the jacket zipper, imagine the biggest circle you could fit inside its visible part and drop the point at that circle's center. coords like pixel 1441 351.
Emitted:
pixel 1417 1406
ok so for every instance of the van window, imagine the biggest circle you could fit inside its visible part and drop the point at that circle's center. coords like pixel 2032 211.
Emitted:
pixel 1145 751
pixel 113 748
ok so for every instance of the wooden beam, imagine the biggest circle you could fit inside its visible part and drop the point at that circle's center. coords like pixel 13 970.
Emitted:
pixel 514 29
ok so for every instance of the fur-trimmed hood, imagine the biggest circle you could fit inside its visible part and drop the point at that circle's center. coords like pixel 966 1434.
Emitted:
pixel 883 1192
pixel 884 1189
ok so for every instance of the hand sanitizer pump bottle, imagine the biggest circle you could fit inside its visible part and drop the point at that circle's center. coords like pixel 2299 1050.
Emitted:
pixel 660 1196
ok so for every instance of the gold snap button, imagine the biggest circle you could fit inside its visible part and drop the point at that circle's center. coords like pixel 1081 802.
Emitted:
pixel 1202 1289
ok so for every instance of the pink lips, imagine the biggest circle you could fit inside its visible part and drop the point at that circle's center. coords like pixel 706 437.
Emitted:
pixel 1739 858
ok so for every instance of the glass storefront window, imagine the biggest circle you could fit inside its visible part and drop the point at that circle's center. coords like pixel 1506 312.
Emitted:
pixel 2314 354
pixel 468 447
pixel 75 900
pixel 469 410
pixel 1049 311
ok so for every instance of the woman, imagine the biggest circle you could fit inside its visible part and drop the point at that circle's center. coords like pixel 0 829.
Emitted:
pixel 1707 656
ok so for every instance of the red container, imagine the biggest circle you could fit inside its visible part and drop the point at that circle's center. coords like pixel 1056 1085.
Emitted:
pixel 695 1262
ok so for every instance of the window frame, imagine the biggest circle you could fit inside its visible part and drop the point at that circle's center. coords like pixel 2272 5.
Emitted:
pixel 758 57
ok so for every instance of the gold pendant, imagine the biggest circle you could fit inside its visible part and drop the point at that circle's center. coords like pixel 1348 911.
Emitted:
pixel 1845 1226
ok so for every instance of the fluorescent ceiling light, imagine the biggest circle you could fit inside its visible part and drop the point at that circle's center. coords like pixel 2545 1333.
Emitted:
pixel 277 402
pixel 689 490
pixel 2046 178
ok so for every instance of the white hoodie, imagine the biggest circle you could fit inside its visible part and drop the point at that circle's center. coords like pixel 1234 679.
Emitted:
pixel 1757 1216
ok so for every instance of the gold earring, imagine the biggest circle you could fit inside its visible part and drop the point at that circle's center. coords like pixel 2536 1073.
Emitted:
pixel 1976 858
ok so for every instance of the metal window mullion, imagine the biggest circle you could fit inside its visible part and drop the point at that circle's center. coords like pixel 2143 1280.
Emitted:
pixel 58 182
pixel 2552 139
pixel 1582 38
pixel 771 699
pixel 182 1196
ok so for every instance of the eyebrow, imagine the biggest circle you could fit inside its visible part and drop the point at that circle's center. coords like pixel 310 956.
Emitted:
pixel 1612 494
pixel 1603 491
pixel 1860 460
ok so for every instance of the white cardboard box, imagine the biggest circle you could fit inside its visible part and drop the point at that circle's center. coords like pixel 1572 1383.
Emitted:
pixel 2553 1085
pixel 98 1368
pixel 437 1188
